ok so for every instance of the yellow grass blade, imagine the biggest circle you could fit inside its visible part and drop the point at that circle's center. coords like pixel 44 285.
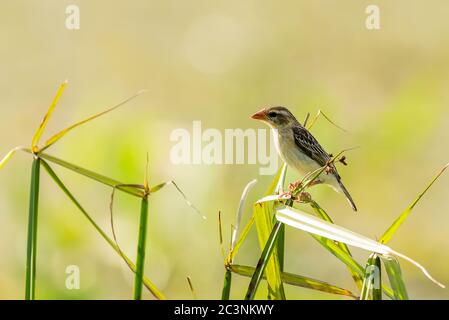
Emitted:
pixel 62 133
pixel 386 237
pixel 263 214
pixel 9 155
pixel 47 116
pixel 239 242
pixel 321 113
pixel 296 280
pixel 240 210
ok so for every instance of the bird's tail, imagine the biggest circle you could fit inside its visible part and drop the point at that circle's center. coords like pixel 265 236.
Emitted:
pixel 348 196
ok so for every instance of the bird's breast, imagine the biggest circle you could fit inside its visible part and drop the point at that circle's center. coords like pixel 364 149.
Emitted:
pixel 291 153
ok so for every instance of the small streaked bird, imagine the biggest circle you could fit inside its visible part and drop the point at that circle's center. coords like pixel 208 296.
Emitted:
pixel 299 148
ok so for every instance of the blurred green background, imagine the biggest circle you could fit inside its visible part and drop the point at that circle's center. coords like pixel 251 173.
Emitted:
pixel 219 62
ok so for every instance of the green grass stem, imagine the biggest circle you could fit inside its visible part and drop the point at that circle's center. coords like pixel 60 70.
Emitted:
pixel 30 278
pixel 140 263
pixel 227 285
pixel 262 263
pixel 148 284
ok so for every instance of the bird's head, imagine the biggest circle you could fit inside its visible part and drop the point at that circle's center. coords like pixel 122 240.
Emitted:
pixel 276 117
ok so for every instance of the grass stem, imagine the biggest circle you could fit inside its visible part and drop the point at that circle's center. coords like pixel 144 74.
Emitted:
pixel 146 282
pixel 227 285
pixel 141 248
pixel 30 278
pixel 262 263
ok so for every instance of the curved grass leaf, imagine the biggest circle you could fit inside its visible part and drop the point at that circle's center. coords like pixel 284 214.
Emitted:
pixel 394 273
pixel 321 113
pixel 47 116
pixel 338 249
pixel 296 280
pixel 240 241
pixel 279 180
pixel 323 215
pixel 386 237
pixel 372 281
pixel 240 210
pixel 312 224
pixel 9 155
pixel 348 260
pixel 341 251
pixel 62 133
pixel 235 243
pixel 148 284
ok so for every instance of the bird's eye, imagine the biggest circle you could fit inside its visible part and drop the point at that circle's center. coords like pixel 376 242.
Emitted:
pixel 272 114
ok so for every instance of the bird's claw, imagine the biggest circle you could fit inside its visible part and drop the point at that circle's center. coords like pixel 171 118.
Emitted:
pixel 304 197
pixel 294 185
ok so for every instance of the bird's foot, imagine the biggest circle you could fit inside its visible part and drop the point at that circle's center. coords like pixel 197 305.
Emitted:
pixel 328 169
pixel 295 185
pixel 304 197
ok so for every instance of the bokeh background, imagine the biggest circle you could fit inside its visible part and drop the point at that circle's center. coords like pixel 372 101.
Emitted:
pixel 219 62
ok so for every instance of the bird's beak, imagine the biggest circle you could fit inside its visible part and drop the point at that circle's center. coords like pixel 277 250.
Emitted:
pixel 261 115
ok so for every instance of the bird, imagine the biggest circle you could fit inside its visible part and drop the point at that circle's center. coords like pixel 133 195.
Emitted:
pixel 299 149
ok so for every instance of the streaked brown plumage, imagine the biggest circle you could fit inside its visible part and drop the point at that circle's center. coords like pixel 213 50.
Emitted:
pixel 299 148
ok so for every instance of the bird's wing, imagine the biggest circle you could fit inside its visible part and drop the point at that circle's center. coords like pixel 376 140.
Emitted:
pixel 310 146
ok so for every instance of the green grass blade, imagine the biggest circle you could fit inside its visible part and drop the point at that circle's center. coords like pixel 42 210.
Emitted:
pixel 141 249
pixel 377 289
pixel 342 254
pixel 226 285
pixel 311 224
pixel 93 175
pixel 263 214
pixel 47 116
pixel 386 237
pixel 281 247
pixel 297 280
pixel 323 215
pixel 278 184
pixel 348 260
pixel 393 269
pixel 372 281
pixel 264 217
pixel 148 284
pixel 30 277
pixel 275 288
